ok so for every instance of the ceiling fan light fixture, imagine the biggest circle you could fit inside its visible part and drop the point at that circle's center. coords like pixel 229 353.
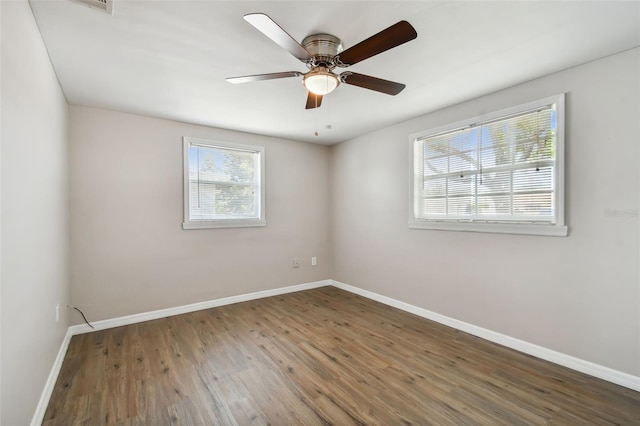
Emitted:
pixel 320 81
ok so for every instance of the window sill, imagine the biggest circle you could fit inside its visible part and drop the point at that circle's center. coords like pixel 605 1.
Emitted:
pixel 208 224
pixel 496 228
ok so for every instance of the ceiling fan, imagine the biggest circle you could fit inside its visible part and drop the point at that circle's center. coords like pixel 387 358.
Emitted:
pixel 322 53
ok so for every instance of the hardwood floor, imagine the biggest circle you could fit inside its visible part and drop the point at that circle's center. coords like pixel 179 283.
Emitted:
pixel 322 356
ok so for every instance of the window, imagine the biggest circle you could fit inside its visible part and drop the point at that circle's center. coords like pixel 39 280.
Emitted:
pixel 223 185
pixel 501 172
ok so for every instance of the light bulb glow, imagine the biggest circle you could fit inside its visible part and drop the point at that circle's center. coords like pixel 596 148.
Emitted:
pixel 320 81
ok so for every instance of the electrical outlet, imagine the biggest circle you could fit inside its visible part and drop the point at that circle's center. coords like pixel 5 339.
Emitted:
pixel 57 314
pixel 296 262
pixel 314 261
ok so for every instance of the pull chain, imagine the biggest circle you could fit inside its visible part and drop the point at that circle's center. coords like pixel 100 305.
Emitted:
pixel 316 114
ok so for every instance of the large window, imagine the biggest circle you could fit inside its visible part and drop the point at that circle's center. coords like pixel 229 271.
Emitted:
pixel 501 172
pixel 223 185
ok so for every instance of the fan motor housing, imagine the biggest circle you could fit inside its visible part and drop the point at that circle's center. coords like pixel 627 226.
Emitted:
pixel 323 47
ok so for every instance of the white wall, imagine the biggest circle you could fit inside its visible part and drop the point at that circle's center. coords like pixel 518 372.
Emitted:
pixel 129 252
pixel 579 295
pixel 34 230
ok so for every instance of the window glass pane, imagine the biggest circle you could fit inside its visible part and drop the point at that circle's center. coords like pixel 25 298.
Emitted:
pixel 463 151
pixel 435 187
pixel 490 156
pixel 494 182
pixel 498 149
pixel 434 206
pixel 494 205
pixel 436 165
pixel 502 169
pixel 533 205
pixel 461 161
pixel 464 185
pixel 224 183
pixel 533 179
pixel 461 206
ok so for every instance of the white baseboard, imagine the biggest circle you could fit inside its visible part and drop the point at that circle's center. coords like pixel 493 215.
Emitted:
pixel 45 396
pixel 587 367
pixel 605 373
pixel 43 403
pixel 193 307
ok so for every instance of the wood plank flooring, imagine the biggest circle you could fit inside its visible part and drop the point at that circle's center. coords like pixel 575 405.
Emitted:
pixel 318 357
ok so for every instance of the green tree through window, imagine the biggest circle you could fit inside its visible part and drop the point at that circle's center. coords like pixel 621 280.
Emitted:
pixel 223 183
pixel 502 169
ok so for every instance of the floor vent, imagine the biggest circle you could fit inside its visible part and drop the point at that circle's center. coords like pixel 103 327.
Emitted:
pixel 106 5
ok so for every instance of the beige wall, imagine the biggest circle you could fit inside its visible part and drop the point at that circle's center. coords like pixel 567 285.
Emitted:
pixel 578 295
pixel 34 231
pixel 129 252
pixel 348 205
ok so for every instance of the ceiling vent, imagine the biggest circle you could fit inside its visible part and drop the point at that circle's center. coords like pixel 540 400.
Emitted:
pixel 106 5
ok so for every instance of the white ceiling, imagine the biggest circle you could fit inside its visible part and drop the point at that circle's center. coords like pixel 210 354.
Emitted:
pixel 169 59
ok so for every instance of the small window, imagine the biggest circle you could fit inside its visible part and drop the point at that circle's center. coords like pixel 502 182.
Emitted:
pixel 223 185
pixel 502 172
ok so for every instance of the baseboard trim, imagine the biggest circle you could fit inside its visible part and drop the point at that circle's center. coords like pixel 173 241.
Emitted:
pixel 45 396
pixel 193 307
pixel 43 403
pixel 614 376
pixel 596 370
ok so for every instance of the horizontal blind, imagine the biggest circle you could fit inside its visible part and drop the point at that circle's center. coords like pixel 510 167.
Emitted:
pixel 224 183
pixel 493 171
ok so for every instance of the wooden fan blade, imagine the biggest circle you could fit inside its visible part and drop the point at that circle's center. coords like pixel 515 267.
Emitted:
pixel 313 101
pixel 372 83
pixel 260 77
pixel 268 27
pixel 389 38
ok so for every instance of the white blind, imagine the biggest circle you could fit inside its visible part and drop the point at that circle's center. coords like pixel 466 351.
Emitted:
pixel 224 183
pixel 498 170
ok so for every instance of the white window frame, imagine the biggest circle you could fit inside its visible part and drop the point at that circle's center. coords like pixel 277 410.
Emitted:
pixel 557 228
pixel 222 223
